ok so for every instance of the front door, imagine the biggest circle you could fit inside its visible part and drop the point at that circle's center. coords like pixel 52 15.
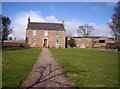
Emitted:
pixel 45 42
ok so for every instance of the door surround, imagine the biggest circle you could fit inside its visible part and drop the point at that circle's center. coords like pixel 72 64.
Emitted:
pixel 45 42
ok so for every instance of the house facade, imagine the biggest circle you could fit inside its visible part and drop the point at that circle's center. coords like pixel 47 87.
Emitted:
pixel 92 42
pixel 41 34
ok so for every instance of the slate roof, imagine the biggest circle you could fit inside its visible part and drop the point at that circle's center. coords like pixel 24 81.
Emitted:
pixel 90 37
pixel 45 26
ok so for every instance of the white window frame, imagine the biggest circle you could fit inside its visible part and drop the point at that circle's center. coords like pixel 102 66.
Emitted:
pixel 34 41
pixel 46 33
pixel 57 33
pixel 34 33
pixel 57 42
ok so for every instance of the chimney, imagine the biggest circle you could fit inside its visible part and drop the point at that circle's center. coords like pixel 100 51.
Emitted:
pixel 63 22
pixel 28 19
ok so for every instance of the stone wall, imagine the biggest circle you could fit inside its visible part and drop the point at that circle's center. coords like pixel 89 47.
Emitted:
pixel 51 38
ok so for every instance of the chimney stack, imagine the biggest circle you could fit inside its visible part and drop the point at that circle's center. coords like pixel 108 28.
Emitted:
pixel 28 19
pixel 63 21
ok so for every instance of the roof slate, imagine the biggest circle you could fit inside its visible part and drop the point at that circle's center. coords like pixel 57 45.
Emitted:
pixel 45 26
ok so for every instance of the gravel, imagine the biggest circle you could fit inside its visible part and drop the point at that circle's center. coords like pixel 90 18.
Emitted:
pixel 46 72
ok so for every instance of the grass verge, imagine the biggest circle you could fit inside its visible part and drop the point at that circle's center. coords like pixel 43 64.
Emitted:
pixel 16 64
pixel 88 68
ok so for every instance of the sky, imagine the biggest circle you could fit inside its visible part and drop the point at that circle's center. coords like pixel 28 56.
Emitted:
pixel 97 14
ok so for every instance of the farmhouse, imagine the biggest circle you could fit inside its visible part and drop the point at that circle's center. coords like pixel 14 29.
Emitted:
pixel 42 34
pixel 92 41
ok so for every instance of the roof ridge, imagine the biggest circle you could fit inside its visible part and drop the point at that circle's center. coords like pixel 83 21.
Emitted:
pixel 45 23
pixel 88 36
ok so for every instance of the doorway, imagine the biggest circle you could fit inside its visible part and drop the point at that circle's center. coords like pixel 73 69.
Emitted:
pixel 45 42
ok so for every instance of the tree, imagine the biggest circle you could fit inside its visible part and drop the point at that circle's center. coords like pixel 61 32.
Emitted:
pixel 10 38
pixel 0 29
pixel 114 24
pixel 71 42
pixel 85 29
pixel 6 30
pixel 14 38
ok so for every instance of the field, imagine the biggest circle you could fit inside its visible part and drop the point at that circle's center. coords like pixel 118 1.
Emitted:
pixel 16 64
pixel 13 43
pixel 17 41
pixel 88 68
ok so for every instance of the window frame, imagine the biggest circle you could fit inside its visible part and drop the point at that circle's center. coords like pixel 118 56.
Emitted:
pixel 34 33
pixel 45 33
pixel 57 42
pixel 34 41
pixel 57 33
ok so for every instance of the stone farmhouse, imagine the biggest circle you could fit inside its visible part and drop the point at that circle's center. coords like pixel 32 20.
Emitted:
pixel 42 34
pixel 92 41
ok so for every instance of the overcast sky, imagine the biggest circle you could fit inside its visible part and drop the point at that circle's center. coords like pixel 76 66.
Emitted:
pixel 75 14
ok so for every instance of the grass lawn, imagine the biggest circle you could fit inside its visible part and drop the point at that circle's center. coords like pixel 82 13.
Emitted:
pixel 16 64
pixel 88 68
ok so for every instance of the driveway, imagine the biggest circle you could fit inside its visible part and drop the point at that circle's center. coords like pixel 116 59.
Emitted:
pixel 46 73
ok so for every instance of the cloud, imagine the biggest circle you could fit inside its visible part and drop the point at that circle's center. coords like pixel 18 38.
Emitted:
pixel 71 27
pixel 100 30
pixel 19 24
pixel 111 4
pixel 50 19
pixel 96 8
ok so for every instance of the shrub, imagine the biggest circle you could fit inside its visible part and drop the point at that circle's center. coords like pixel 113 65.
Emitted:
pixel 71 42
pixel 21 45
pixel 113 46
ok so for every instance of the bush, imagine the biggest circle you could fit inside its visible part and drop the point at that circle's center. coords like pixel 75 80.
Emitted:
pixel 71 42
pixel 113 46
pixel 21 45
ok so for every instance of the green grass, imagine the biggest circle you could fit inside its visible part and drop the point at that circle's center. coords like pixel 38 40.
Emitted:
pixel 17 64
pixel 88 68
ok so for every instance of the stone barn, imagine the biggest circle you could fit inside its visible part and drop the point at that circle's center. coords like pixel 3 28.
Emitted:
pixel 92 41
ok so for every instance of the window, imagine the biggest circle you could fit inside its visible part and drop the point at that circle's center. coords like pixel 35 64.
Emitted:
pixel 101 41
pixel 46 33
pixel 57 33
pixel 33 41
pixel 34 33
pixel 57 42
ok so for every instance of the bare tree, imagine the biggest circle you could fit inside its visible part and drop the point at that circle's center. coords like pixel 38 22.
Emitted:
pixel 114 24
pixel 85 29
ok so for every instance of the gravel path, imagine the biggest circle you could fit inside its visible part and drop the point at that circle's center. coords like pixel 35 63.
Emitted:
pixel 46 73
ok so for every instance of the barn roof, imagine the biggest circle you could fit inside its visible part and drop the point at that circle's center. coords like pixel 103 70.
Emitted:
pixel 45 26
pixel 88 37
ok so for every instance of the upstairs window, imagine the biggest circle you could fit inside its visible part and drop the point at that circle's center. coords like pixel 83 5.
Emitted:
pixel 46 33
pixel 57 33
pixel 34 33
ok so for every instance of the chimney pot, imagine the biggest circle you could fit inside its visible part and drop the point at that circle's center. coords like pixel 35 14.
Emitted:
pixel 63 21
